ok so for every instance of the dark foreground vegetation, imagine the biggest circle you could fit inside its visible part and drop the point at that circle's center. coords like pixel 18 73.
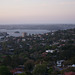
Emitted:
pixel 52 53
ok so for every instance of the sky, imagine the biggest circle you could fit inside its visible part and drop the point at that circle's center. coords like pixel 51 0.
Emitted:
pixel 37 11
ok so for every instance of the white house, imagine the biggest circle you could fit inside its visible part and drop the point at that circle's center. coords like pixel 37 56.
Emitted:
pixel 73 65
pixel 59 63
pixel 50 51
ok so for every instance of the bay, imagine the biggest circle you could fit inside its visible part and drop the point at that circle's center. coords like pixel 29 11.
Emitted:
pixel 20 31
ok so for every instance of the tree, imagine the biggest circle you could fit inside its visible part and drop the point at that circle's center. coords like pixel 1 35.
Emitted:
pixel 39 69
pixel 7 61
pixel 29 65
pixel 50 70
pixel 4 70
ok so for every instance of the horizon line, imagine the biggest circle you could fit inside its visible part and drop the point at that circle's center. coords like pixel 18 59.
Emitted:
pixel 42 24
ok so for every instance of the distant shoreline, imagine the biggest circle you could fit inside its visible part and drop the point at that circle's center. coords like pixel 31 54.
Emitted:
pixel 37 27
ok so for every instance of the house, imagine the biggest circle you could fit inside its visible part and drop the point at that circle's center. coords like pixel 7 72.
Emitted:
pixel 11 49
pixel 50 51
pixel 44 54
pixel 46 33
pixel 17 71
pixel 24 34
pixel 59 63
pixel 73 65
pixel 23 39
pixel 21 46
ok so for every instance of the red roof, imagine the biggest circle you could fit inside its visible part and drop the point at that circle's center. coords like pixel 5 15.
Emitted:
pixel 44 53
pixel 16 69
pixel 69 73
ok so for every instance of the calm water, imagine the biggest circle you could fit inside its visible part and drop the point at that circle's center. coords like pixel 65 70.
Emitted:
pixel 12 32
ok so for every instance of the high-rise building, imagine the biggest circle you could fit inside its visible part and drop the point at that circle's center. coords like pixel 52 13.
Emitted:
pixel 24 34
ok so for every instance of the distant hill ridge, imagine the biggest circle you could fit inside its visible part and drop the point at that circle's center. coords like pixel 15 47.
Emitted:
pixel 42 26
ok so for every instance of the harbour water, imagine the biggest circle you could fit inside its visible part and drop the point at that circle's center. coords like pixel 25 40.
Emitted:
pixel 13 32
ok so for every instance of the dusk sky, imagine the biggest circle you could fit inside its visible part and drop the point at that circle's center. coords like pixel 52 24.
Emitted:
pixel 37 11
